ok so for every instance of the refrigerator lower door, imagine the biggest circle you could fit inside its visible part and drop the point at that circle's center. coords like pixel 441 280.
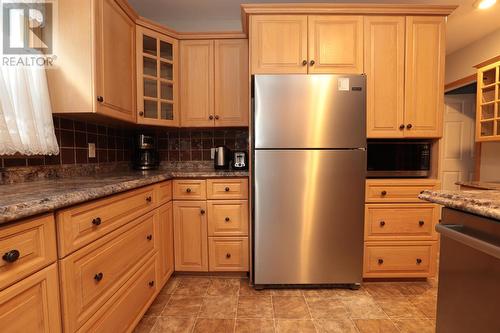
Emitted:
pixel 308 216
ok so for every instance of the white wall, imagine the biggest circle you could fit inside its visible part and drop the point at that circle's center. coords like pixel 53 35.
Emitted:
pixel 490 161
pixel 459 64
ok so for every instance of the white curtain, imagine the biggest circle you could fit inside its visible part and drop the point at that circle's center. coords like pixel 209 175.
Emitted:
pixel 26 124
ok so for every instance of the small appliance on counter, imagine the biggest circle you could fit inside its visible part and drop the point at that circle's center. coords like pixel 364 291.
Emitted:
pixel 222 158
pixel 145 155
pixel 240 160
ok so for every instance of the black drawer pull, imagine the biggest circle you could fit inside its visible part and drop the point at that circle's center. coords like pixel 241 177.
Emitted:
pixel 151 283
pixel 421 223
pixel 383 192
pixel 419 261
pixel 97 221
pixel 11 256
pixel 149 237
pixel 382 223
pixel 227 189
pixel 380 261
pixel 228 255
pixel 188 190
pixel 227 219
pixel 98 277
pixel 202 212
pixel 148 199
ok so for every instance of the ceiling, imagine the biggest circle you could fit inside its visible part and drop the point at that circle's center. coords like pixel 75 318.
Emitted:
pixel 465 25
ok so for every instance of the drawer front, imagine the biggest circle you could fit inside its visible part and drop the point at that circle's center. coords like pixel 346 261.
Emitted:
pixel 416 259
pixel 92 275
pixel 164 192
pixel 228 254
pixel 80 225
pixel 26 247
pixel 127 306
pixel 190 189
pixel 400 221
pixel 227 188
pixel 227 218
pixel 32 305
pixel 397 191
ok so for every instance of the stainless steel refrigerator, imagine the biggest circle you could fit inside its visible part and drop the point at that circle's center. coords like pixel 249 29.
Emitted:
pixel 309 166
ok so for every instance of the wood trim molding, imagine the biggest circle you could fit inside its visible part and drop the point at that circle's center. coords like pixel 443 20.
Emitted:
pixel 128 9
pixel 488 62
pixel 147 23
pixel 460 82
pixel 477 162
pixel 343 8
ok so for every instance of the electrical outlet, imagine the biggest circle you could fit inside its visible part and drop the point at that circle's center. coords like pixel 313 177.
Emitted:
pixel 91 150
pixel 212 153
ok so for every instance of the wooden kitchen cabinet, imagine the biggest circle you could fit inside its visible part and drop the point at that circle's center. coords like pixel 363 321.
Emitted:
pixel 157 78
pixel 166 237
pixel 94 72
pixel 424 76
pixel 190 236
pixel 488 103
pixel 335 44
pixel 278 44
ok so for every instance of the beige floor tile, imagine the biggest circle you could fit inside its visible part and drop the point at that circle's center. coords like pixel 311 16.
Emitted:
pixel 286 292
pixel 382 290
pixel 323 292
pixel 345 293
pixel 205 325
pixel 364 309
pixel 415 325
pixel 254 326
pixel 145 325
pixel 173 325
pixel 183 306
pixel 426 304
pixel 247 290
pixel 375 326
pixel 221 307
pixel 399 307
pixel 326 308
pixel 223 287
pixel 158 305
pixel 170 286
pixel 335 326
pixel 294 326
pixel 255 307
pixel 192 286
pixel 290 307
pixel 414 288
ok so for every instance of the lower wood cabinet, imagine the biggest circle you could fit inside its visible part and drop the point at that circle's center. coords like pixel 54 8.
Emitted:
pixel 32 305
pixel 166 238
pixel 228 254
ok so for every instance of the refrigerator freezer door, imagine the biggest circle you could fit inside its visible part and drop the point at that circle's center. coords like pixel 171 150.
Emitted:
pixel 309 111
pixel 309 216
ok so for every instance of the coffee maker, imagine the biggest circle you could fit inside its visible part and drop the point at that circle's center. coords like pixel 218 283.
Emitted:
pixel 146 156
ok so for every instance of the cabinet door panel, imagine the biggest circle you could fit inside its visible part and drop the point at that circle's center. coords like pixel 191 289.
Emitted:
pixel 166 242
pixel 384 67
pixel 231 82
pixel 424 79
pixel 278 44
pixel 197 79
pixel 335 44
pixel 115 61
pixel 190 236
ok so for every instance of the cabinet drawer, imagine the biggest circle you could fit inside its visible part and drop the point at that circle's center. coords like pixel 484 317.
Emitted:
pixel 93 274
pixel 80 225
pixel 26 247
pixel 227 188
pixel 405 259
pixel 192 189
pixel 164 192
pixel 397 190
pixel 400 221
pixel 227 218
pixel 127 306
pixel 228 254
pixel 32 305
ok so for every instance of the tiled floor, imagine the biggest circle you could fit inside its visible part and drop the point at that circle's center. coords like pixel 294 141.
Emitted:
pixel 204 304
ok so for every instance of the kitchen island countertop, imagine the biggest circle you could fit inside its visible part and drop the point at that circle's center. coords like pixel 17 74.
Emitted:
pixel 481 185
pixel 31 198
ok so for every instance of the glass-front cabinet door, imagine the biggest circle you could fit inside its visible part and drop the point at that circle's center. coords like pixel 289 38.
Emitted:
pixel 488 103
pixel 157 78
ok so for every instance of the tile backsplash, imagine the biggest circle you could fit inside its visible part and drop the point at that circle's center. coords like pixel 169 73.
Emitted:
pixel 115 144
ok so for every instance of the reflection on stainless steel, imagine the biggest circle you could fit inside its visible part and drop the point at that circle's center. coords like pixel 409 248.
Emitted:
pixel 309 173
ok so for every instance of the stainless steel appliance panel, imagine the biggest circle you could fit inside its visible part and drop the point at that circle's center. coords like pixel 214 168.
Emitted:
pixel 309 216
pixel 309 111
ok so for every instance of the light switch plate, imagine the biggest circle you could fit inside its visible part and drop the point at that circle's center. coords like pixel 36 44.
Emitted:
pixel 91 150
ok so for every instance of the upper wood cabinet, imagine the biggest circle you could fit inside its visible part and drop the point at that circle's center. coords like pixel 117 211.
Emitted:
pixel 278 44
pixel 157 78
pixel 301 44
pixel 424 76
pixel 488 103
pixel 384 55
pixel 335 44
pixel 94 71
pixel 214 83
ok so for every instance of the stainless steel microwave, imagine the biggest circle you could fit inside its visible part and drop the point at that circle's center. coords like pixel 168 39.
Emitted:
pixel 399 159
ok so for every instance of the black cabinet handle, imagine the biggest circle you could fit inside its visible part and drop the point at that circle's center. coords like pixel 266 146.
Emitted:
pixel 151 283
pixel 227 219
pixel 383 192
pixel 402 126
pixel 421 223
pixel 228 255
pixel 382 223
pixel 409 126
pixel 419 261
pixel 216 117
pixel 100 99
pixel 304 62
pixel 227 189
pixel 312 62
pixel 380 261
pixel 98 277
pixel 148 199
pixel 141 113
pixel 202 211
pixel 188 190
pixel 210 117
pixel 149 237
pixel 11 256
pixel 97 221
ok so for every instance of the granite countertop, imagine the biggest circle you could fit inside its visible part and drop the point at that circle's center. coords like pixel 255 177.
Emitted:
pixel 481 185
pixel 480 202
pixel 30 198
